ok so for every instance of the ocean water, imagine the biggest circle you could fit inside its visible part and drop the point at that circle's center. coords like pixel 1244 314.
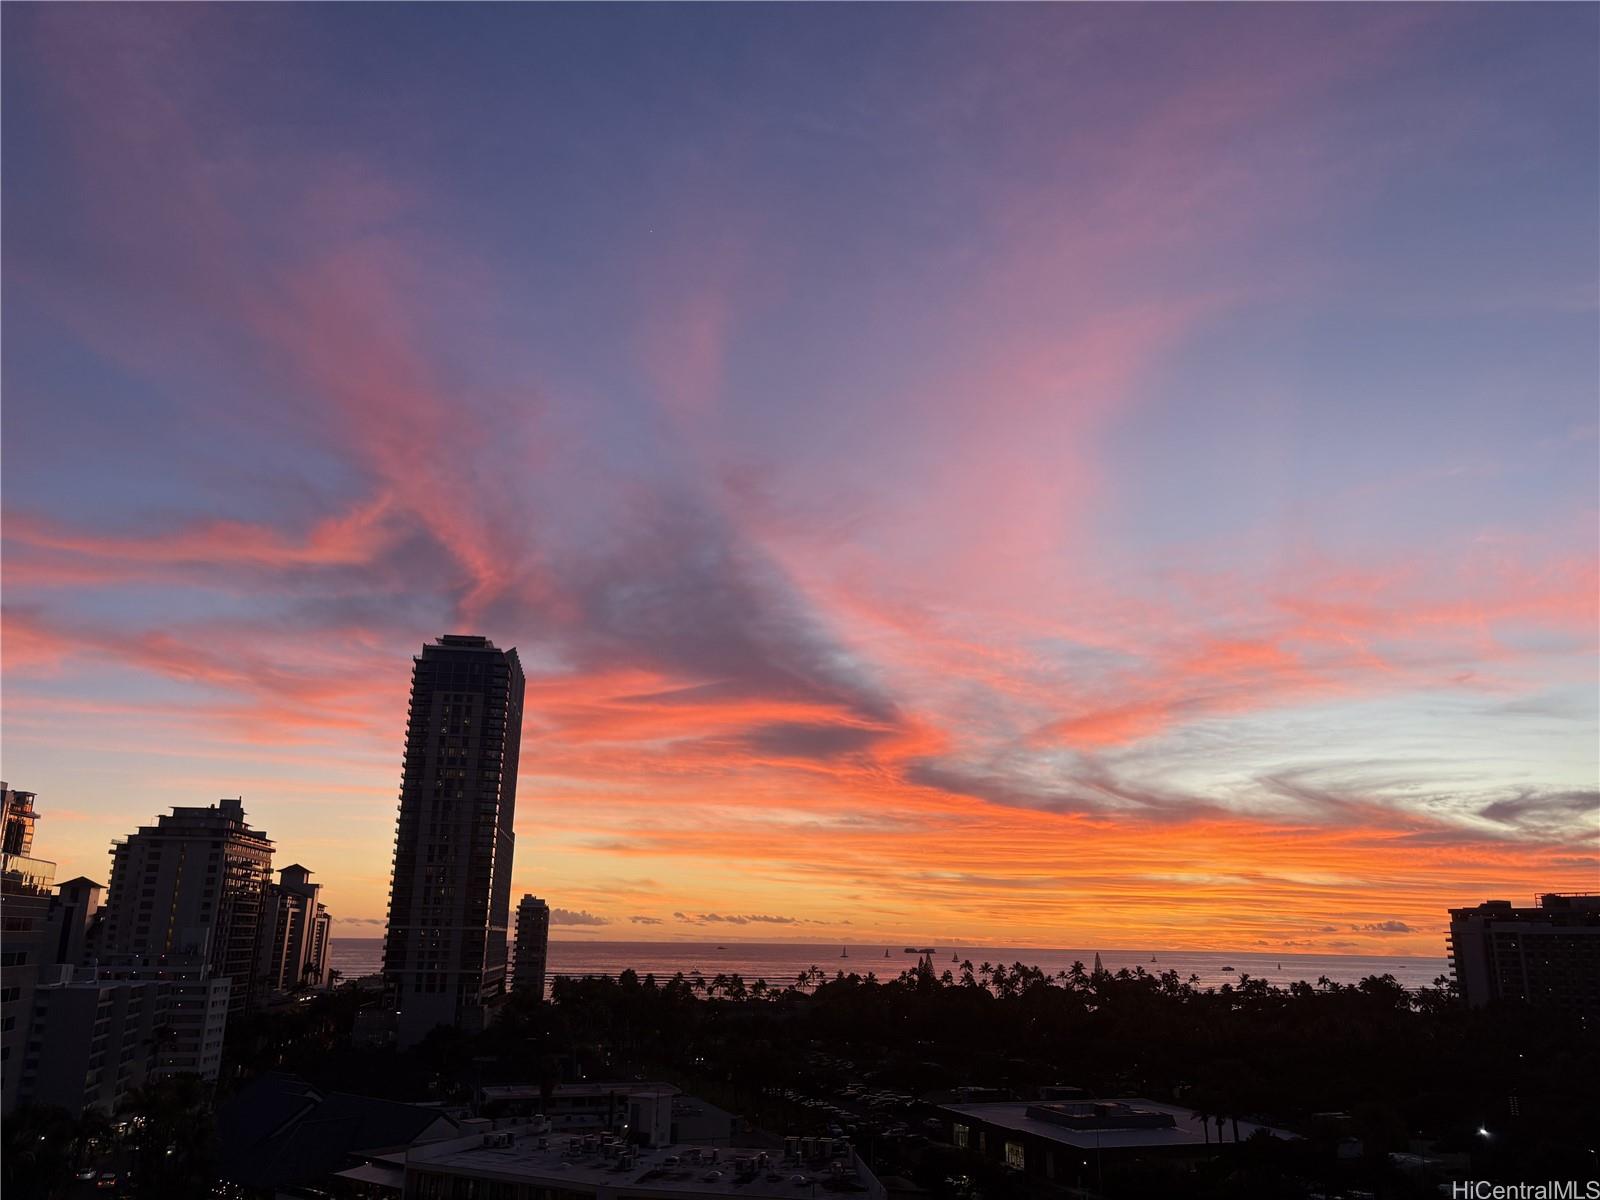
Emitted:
pixel 779 963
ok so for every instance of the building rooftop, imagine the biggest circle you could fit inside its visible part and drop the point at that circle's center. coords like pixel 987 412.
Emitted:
pixel 591 1164
pixel 693 1106
pixel 280 1130
pixel 1544 904
pixel 1104 1124
pixel 466 641
pixel 575 1091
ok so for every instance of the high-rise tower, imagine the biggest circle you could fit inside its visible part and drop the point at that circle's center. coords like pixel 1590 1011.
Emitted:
pixel 191 885
pixel 444 959
pixel 17 816
pixel 292 950
pixel 1545 955
pixel 25 884
pixel 533 946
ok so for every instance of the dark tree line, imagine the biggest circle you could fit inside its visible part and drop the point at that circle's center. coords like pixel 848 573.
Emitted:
pixel 1397 1065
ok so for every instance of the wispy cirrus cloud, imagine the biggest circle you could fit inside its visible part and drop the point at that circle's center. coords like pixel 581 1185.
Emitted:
pixel 860 517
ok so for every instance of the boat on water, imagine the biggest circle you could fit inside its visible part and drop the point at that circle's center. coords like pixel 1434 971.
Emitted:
pixel 955 958
pixel 1152 958
pixel 1227 968
pixel 844 951
pixel 886 952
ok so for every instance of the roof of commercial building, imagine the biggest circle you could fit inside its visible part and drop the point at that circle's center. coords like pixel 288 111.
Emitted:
pixel 280 1130
pixel 382 1174
pixel 693 1106
pixel 1187 1128
pixel 575 1091
pixel 555 1166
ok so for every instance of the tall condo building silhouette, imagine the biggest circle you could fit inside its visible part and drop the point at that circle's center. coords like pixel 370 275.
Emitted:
pixel 533 946
pixel 189 886
pixel 444 959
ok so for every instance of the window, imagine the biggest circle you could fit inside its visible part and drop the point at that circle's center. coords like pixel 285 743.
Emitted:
pixel 1014 1155
pixel 962 1133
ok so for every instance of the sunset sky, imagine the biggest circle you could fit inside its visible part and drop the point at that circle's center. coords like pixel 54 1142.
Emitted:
pixel 1042 475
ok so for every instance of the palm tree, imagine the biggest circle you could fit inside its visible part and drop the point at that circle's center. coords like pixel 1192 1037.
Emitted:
pixel 172 1147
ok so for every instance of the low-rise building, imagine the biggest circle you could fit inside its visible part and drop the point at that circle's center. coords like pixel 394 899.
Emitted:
pixel 653 1113
pixel 279 1134
pixel 91 1041
pixel 195 1004
pixel 701 1123
pixel 1072 1141
pixel 570 1107
pixel 534 1163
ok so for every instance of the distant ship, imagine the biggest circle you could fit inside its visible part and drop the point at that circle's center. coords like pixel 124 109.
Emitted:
pixel 915 950
pixel 886 952
pixel 1227 968
pixel 955 958
pixel 1152 958
pixel 844 951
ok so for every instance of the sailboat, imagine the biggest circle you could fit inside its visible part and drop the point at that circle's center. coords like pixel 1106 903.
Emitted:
pixel 955 958
pixel 1098 968
pixel 844 951
pixel 886 953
